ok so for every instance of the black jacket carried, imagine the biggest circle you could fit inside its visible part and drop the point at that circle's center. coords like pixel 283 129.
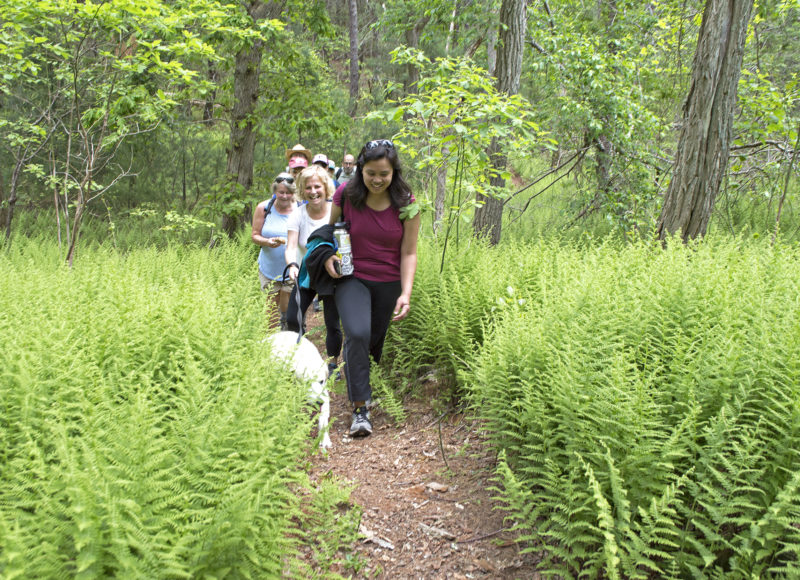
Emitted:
pixel 320 246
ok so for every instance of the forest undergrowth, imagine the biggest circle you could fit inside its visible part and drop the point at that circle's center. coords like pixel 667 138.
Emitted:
pixel 642 400
pixel 143 431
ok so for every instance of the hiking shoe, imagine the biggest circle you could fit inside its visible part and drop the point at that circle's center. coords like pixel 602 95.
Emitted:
pixel 361 426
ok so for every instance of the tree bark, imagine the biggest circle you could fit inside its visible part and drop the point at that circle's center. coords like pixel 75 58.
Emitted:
pixel 513 23
pixel 441 191
pixel 603 146
pixel 3 210
pixel 241 146
pixel 491 50
pixel 702 155
pixel 412 41
pixel 12 195
pixel 353 57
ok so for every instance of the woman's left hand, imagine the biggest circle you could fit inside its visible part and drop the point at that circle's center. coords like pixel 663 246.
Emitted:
pixel 401 308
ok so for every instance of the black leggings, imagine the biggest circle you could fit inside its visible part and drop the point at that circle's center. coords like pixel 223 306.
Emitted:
pixel 333 334
pixel 365 309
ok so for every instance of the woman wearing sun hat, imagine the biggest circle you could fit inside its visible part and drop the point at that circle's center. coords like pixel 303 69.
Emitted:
pixel 298 158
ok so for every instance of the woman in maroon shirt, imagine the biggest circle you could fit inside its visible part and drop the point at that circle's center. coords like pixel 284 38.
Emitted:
pixel 385 260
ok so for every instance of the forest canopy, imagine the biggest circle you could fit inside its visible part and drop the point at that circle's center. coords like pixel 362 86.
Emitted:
pixel 180 111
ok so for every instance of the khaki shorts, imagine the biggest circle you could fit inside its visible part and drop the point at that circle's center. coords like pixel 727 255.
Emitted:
pixel 273 287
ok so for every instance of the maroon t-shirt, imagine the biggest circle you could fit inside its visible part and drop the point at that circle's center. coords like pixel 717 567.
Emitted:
pixel 375 237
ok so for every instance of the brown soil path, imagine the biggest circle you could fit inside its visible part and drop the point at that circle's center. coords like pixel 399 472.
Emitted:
pixel 424 488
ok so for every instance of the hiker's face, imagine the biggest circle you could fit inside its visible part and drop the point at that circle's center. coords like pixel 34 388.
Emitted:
pixel 283 196
pixel 315 190
pixel 378 175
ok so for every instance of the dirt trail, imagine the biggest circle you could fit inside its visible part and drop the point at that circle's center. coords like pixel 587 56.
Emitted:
pixel 424 515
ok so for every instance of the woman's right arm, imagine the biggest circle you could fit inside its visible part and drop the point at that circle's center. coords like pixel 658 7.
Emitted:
pixel 258 223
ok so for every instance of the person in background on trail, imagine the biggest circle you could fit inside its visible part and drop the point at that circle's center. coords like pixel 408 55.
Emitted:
pixel 384 250
pixel 347 170
pixel 270 233
pixel 316 188
pixel 298 158
pixel 332 172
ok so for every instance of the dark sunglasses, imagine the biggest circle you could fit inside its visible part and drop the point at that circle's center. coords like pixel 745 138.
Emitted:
pixel 282 178
pixel 379 143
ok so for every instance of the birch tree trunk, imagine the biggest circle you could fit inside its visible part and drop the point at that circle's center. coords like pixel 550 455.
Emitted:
pixel 701 158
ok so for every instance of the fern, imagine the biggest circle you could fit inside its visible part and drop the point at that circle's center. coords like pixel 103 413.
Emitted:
pixel 144 432
pixel 643 399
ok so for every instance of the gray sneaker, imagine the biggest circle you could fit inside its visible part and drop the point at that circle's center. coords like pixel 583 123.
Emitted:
pixel 361 426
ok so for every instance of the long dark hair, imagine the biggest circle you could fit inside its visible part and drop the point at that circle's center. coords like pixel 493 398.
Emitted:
pixel 399 191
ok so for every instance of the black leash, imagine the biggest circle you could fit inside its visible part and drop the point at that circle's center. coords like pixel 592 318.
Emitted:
pixel 296 291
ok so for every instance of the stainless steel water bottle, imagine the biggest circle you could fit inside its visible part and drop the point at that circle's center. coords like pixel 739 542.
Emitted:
pixel 344 252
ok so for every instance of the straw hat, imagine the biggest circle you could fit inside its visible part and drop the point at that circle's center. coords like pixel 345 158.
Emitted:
pixel 298 149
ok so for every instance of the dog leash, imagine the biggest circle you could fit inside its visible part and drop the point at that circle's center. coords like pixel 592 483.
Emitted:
pixel 300 315
pixel 296 291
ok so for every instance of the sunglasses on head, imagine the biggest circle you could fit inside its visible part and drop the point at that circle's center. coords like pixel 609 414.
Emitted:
pixel 287 178
pixel 379 143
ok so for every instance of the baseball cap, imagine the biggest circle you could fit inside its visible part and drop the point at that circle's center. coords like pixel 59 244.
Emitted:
pixel 298 162
pixel 320 159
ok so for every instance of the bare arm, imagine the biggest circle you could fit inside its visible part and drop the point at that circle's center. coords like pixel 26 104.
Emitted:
pixel 408 266
pixel 336 214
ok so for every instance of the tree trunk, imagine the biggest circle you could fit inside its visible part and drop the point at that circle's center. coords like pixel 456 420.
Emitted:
pixel 12 194
pixel 242 142
pixel 491 50
pixel 210 102
pixel 513 23
pixel 441 191
pixel 702 155
pixel 603 146
pixel 353 57
pixel 241 147
pixel 3 217
pixel 412 41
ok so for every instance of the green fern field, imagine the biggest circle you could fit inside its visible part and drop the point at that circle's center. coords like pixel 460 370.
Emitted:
pixel 143 434
pixel 645 403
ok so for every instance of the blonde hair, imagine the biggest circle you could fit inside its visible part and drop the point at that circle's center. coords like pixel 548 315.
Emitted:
pixel 315 171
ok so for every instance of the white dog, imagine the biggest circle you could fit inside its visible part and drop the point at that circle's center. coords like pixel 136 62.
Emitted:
pixel 308 366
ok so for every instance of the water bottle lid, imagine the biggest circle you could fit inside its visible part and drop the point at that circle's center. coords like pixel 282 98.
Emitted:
pixel 340 225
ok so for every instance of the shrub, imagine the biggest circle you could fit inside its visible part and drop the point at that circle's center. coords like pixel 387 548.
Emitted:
pixel 645 405
pixel 143 432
